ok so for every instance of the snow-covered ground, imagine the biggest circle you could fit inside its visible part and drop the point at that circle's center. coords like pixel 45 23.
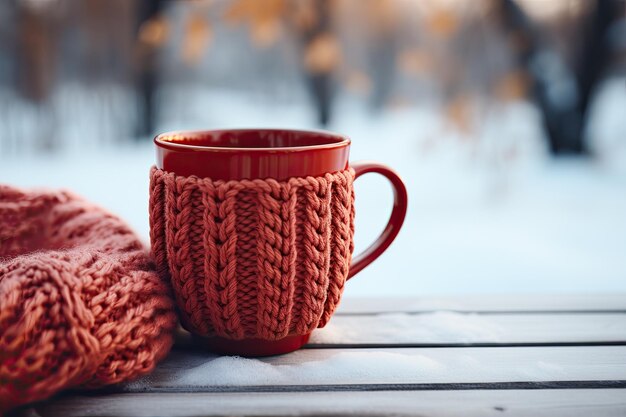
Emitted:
pixel 492 214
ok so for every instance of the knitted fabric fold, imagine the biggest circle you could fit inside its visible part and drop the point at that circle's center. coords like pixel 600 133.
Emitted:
pixel 80 302
pixel 253 258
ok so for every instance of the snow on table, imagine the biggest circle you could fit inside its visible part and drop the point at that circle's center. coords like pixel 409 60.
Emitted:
pixel 567 361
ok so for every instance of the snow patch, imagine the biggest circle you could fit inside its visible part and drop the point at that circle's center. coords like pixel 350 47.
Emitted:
pixel 439 327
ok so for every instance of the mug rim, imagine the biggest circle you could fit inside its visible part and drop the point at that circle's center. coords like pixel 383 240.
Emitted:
pixel 161 142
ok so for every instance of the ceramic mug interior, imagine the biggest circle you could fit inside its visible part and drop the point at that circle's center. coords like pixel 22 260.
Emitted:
pixel 261 139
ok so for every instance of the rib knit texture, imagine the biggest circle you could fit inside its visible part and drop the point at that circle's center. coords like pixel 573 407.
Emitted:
pixel 80 302
pixel 253 258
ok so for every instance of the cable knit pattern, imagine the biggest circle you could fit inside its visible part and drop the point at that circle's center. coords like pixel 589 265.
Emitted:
pixel 253 258
pixel 80 302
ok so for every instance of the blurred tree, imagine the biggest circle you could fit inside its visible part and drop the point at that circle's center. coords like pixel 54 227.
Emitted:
pixel 105 50
pixel 562 92
pixel 152 31
pixel 311 21
pixel 595 54
pixel 382 18
pixel 196 39
pixel 36 51
pixel 390 51
pixel 322 54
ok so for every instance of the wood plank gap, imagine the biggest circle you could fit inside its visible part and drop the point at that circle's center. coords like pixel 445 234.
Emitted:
pixel 484 403
pixel 463 386
pixel 479 312
pixel 456 345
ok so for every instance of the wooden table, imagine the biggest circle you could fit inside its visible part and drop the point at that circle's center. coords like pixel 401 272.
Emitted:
pixel 484 356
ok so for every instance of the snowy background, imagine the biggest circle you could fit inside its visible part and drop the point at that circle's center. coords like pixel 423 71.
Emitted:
pixel 491 210
pixel 478 221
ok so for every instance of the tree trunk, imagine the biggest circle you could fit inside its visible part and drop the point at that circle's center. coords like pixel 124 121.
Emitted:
pixel 562 93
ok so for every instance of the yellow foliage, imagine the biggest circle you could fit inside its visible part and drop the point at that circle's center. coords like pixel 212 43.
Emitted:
pixel 265 33
pixel 263 16
pixel 197 38
pixel 414 61
pixel 443 23
pixel 512 85
pixel 323 54
pixel 154 32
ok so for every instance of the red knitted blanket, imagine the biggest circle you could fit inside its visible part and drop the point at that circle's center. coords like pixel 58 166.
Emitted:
pixel 253 258
pixel 80 303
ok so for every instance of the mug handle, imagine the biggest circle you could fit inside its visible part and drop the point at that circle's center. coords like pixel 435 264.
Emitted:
pixel 398 213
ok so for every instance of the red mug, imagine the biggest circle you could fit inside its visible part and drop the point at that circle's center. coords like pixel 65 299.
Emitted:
pixel 284 178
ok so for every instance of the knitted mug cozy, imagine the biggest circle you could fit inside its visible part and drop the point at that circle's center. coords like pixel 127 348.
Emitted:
pixel 253 258
pixel 80 303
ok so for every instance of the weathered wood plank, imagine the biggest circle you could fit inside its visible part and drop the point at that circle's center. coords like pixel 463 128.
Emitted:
pixel 485 303
pixel 462 329
pixel 390 379
pixel 196 371
pixel 578 402
pixel 450 328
